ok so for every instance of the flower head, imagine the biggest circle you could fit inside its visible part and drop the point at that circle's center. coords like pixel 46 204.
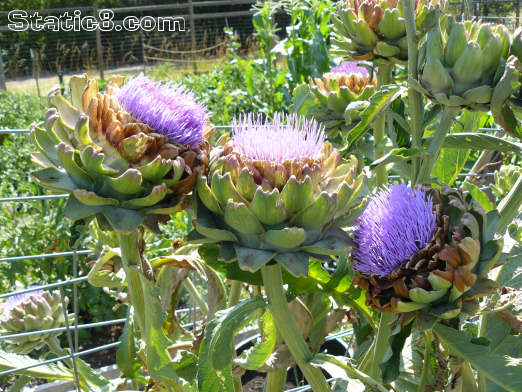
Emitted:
pixel 285 138
pixel 351 67
pixel 20 299
pixel 395 225
pixel 169 109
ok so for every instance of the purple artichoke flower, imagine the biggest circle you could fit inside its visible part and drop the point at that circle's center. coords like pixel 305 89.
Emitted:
pixel 351 67
pixel 169 109
pixel 20 299
pixel 285 138
pixel 395 225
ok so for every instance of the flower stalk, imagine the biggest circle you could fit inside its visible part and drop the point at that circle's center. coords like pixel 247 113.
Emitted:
pixel 414 97
pixel 273 281
pixel 384 76
pixel 430 158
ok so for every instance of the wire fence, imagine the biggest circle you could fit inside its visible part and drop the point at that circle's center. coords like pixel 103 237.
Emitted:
pixel 72 331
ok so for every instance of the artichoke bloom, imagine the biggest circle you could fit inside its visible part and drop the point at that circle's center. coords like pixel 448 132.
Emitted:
pixel 33 311
pixel 338 98
pixel 128 156
pixel 376 30
pixel 424 250
pixel 463 66
pixel 276 191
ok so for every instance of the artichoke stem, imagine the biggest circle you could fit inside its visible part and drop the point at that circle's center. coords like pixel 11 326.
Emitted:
pixel 414 97
pixel 235 293
pixel 509 205
pixel 193 291
pixel 383 77
pixel 286 326
pixel 428 162
pixel 276 381
pixel 131 260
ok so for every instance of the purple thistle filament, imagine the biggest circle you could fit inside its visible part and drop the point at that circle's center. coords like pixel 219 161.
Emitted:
pixel 18 299
pixel 395 225
pixel 169 109
pixel 290 137
pixel 351 67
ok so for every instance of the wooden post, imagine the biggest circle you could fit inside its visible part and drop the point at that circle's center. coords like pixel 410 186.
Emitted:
pixel 517 20
pixel 99 47
pixel 2 72
pixel 35 70
pixel 193 34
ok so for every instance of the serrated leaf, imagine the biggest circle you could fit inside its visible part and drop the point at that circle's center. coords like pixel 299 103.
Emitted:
pixel 391 362
pixel 126 355
pixel 256 356
pixel 479 196
pixel 503 370
pixel 228 322
pixel 481 141
pixel 53 371
pixel 379 102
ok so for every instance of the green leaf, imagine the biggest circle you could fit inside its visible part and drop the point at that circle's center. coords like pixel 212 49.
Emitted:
pixel 123 219
pixel 52 371
pixel 397 155
pixel 228 322
pixel 503 370
pixel 392 360
pixel 208 379
pixel 379 102
pixel 256 356
pixel 295 262
pixel 479 196
pixel 126 355
pixel 90 380
pixel 333 365
pixel 159 363
pixel 449 164
pixel 54 179
pixel 251 259
pixel 101 278
pixel 75 210
pixel 481 141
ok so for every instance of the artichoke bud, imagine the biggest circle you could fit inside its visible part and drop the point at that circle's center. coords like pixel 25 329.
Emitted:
pixel 283 198
pixel 133 151
pixel 27 312
pixel 457 41
pixel 435 77
pixel 439 272
pixel 375 29
pixel 468 67
pixel 516 46
pixel 434 45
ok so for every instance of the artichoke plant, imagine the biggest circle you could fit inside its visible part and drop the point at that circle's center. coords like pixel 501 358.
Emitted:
pixel 425 250
pixel 338 98
pixel 376 30
pixel 128 156
pixel 277 191
pixel 34 311
pixel 461 65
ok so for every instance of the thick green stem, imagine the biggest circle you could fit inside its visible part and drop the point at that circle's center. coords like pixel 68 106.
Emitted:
pixel 131 260
pixel 384 74
pixel 238 387
pixel 194 293
pixel 427 164
pixel 235 293
pixel 286 326
pixel 414 97
pixel 276 381
pixel 509 205
pixel 426 362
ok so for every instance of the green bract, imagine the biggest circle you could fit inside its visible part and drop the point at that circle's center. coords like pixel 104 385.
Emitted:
pixel 466 65
pixel 114 167
pixel 32 312
pixel 336 100
pixel 376 29
pixel 263 211
pixel 449 274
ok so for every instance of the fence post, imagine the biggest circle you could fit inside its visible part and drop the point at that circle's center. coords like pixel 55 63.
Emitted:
pixel 193 34
pixel 99 48
pixel 2 72
pixel 517 19
pixel 34 59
